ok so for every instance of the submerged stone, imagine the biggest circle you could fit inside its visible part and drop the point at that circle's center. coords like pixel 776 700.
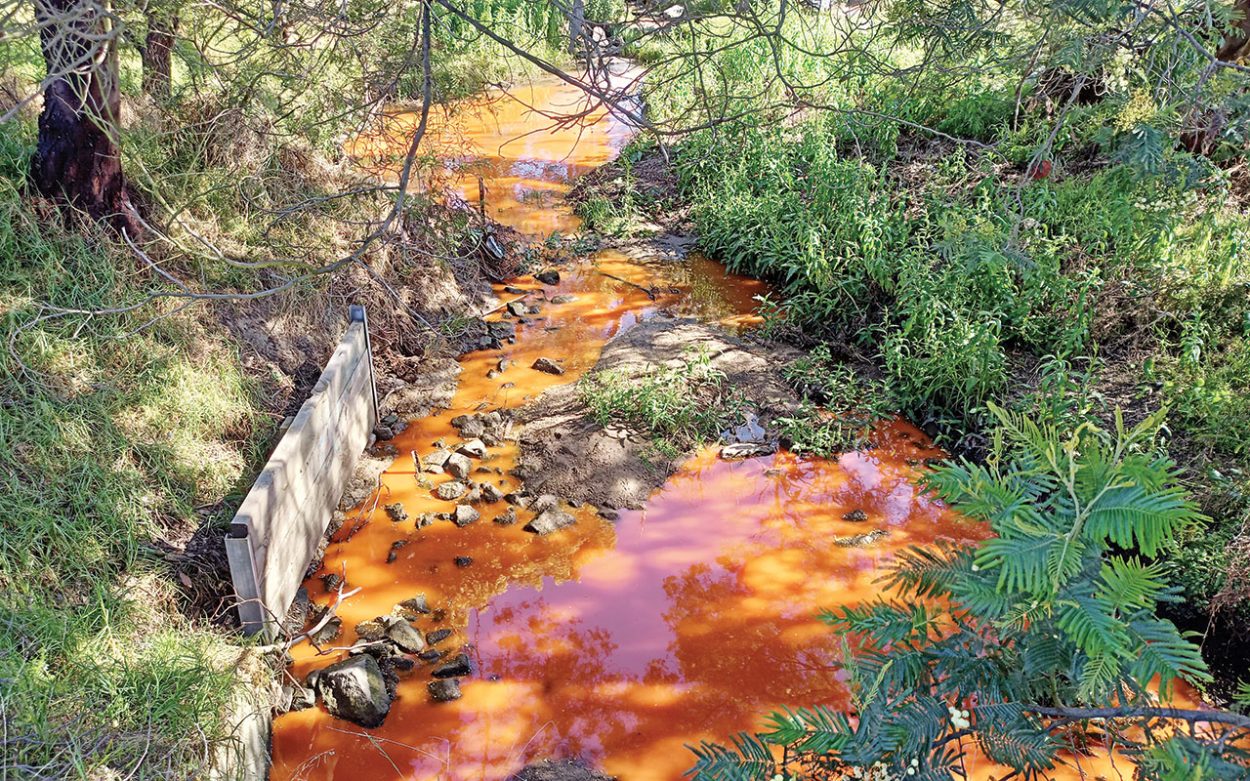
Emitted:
pixel 506 518
pixel 393 554
pixel 451 491
pixel 860 540
pixel 547 366
pixel 373 629
pixel 411 608
pixel 434 461
pixel 331 581
pixel 300 698
pixel 405 637
pixel 465 515
pixel 458 667
pixel 458 466
pixel 517 498
pixel 328 632
pixel 444 690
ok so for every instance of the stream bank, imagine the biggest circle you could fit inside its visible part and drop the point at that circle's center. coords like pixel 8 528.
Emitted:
pixel 891 334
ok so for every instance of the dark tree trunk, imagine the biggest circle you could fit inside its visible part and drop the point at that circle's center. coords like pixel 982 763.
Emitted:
pixel 577 23
pixel 1237 46
pixel 158 53
pixel 78 158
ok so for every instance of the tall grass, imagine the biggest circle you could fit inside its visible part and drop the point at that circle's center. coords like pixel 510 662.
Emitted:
pixel 947 275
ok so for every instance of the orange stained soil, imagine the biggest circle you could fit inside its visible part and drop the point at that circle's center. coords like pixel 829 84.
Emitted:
pixel 623 642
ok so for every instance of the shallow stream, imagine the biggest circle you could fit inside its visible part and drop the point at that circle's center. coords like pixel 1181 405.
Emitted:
pixel 616 642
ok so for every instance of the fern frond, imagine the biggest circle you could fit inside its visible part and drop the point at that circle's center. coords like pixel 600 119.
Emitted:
pixel 750 759
pixel 1164 653
pixel 1129 516
pixel 1127 583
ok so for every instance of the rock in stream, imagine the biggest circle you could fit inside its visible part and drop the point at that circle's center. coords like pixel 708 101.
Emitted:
pixel 549 521
pixel 547 366
pixel 355 689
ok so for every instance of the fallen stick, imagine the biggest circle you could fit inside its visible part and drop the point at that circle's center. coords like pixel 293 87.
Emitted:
pixel 648 290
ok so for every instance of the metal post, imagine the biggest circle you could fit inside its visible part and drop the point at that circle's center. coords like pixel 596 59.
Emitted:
pixel 244 575
pixel 356 314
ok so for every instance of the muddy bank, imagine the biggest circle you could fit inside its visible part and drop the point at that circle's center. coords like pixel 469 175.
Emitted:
pixel 429 283
pixel 426 287
pixel 565 451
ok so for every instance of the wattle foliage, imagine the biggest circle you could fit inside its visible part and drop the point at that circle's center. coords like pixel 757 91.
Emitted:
pixel 990 643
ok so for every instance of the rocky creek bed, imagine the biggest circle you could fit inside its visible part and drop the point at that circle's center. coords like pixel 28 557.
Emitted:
pixel 518 588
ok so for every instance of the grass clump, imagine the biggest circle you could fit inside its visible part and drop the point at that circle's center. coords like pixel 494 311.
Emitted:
pixel 680 406
pixel 621 206
pixel 108 441
pixel 840 406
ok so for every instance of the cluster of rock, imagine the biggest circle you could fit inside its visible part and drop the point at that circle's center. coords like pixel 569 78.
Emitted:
pixel 524 313
pixel 482 431
pixel 388 426
pixel 361 687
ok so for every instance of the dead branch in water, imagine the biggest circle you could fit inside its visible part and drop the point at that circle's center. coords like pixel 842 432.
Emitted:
pixel 651 292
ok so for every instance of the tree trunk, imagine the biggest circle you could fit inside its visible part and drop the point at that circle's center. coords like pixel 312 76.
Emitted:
pixel 577 22
pixel 1237 46
pixel 158 53
pixel 78 157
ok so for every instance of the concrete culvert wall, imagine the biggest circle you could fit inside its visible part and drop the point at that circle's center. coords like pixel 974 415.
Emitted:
pixel 281 521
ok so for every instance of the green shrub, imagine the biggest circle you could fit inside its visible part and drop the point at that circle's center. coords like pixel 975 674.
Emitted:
pixel 1004 641
pixel 849 406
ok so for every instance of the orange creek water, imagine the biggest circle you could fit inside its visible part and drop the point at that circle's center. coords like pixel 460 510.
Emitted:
pixel 619 643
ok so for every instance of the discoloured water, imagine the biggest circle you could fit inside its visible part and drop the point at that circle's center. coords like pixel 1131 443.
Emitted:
pixel 623 642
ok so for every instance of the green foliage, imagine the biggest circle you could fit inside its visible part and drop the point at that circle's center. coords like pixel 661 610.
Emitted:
pixel 1205 387
pixel 680 406
pixel 849 406
pixel 989 643
pixel 108 440
pixel 949 276
pixel 620 206
pixel 943 290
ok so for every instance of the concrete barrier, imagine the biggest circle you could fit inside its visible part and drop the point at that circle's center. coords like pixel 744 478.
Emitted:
pixel 279 525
